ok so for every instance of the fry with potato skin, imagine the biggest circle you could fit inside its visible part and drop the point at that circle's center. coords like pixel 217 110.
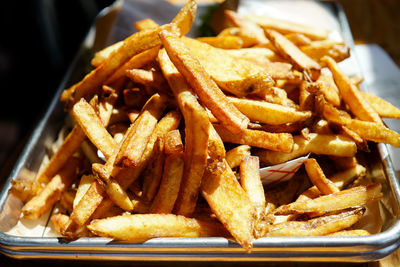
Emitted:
pixel 323 144
pixel 229 202
pixel 42 202
pixel 140 227
pixel 318 226
pixel 138 134
pixel 294 54
pixel 268 113
pixel 272 141
pixel 355 196
pixel 318 177
pixel 202 84
pixel 351 95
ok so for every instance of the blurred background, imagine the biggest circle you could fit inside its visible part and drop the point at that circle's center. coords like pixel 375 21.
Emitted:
pixel 40 38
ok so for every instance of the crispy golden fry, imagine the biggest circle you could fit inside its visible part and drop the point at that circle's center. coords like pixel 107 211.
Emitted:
pixel 139 133
pixel 197 133
pixel 323 144
pixel 282 128
pixel 273 141
pixel 253 32
pixel 202 84
pixel 355 196
pixel 232 74
pixel 42 202
pixel 357 232
pixel 274 95
pixel 71 144
pixel 382 107
pixel 252 185
pixel 326 85
pixel 140 227
pixel 223 42
pixel 340 180
pixel 365 129
pixel 317 49
pixel 318 178
pixel 103 54
pixel 145 24
pixel 25 186
pixel 235 156
pixel 318 226
pixel 258 55
pixel 135 62
pixel 67 199
pixel 286 27
pixel 167 194
pixel 91 124
pixel 298 39
pixel 154 171
pixel 224 195
pixel 268 113
pixel 294 54
pixel 279 70
pixel 153 79
pixel 306 99
pixel 351 95
pixel 133 45
pixel 173 142
pixel 84 184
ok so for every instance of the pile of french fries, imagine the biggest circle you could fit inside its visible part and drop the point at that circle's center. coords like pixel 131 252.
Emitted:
pixel 147 155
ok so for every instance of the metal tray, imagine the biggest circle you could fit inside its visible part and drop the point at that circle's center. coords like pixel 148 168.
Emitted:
pixel 366 248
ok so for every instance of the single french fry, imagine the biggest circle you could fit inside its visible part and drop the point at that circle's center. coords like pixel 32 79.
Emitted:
pixel 318 178
pixel 173 142
pixel 223 42
pixel 153 79
pixel 167 194
pixel 140 227
pixel 231 74
pixel 138 134
pixel 367 130
pixel 84 184
pixel 252 185
pixel 281 128
pixel 298 39
pixel 286 27
pixel 235 156
pixel 253 32
pixel 66 199
pixel 133 45
pixel 318 226
pixel 42 202
pixel 70 145
pixel 202 84
pixel 327 86
pixel 351 95
pixel 322 144
pixel 317 49
pixel 103 54
pixel 154 171
pixel 352 197
pixel 91 124
pixel 145 24
pixel 272 141
pixel 294 54
pixel 229 202
pixel 258 55
pixel 382 107
pixel 340 180
pixel 268 113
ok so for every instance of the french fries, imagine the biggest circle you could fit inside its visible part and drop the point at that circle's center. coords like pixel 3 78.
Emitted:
pixel 256 90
